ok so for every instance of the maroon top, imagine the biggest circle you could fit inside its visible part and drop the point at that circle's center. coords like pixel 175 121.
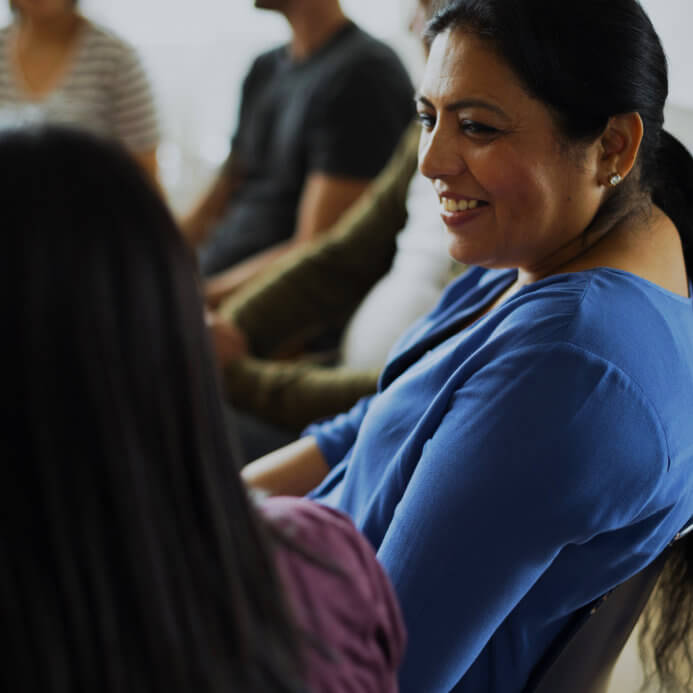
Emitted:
pixel 352 613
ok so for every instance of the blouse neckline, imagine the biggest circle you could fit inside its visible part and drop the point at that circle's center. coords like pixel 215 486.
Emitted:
pixel 21 84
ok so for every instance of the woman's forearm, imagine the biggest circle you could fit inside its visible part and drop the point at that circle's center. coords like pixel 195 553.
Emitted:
pixel 289 471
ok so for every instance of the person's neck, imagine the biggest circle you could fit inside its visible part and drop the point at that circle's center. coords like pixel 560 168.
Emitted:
pixel 313 26
pixel 57 30
pixel 582 252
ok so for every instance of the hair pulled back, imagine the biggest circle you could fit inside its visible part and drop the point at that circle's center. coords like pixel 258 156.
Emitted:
pixel 587 62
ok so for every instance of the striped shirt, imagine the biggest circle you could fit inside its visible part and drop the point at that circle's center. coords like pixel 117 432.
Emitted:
pixel 105 90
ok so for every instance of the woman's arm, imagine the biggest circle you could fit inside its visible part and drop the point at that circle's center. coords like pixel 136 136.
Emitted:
pixel 133 109
pixel 290 471
pixel 541 451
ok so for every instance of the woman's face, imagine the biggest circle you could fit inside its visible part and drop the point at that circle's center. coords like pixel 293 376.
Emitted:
pixel 510 194
pixel 44 9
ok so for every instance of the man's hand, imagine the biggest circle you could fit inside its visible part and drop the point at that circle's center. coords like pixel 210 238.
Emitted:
pixel 228 340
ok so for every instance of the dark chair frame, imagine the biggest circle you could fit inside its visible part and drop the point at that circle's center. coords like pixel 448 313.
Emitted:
pixel 582 658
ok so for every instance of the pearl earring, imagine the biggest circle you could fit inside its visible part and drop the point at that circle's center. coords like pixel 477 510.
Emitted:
pixel 615 179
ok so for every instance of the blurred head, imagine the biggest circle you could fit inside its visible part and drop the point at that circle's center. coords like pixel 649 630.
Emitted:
pixel 277 5
pixel 420 14
pixel 552 95
pixel 132 558
pixel 42 9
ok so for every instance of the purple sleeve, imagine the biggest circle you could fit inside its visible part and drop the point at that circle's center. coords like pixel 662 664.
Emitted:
pixel 349 607
pixel 336 436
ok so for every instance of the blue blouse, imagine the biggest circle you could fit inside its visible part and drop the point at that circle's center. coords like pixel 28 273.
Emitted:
pixel 510 472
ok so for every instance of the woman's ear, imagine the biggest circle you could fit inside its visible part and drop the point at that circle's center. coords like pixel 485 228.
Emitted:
pixel 620 144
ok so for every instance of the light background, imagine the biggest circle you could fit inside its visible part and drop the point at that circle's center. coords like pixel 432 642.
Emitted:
pixel 197 52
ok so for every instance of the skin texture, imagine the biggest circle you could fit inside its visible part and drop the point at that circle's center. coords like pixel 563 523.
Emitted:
pixel 539 198
pixel 290 471
pixel 42 10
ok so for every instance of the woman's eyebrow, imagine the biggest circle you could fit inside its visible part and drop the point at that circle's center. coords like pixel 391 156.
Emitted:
pixel 465 103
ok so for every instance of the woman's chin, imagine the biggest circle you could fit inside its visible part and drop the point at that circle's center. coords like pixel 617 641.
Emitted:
pixel 462 252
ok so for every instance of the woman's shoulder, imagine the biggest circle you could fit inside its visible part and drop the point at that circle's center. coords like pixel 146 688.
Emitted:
pixel 343 553
pixel 323 530
pixel 340 595
pixel 598 309
pixel 613 322
pixel 101 42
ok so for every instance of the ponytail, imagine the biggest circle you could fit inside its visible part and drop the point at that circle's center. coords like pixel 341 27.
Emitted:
pixel 672 190
pixel 668 620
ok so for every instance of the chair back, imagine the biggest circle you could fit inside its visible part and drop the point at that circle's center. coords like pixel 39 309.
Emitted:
pixel 582 657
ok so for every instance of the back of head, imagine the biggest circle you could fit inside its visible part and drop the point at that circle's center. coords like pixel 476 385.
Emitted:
pixel 131 558
pixel 588 61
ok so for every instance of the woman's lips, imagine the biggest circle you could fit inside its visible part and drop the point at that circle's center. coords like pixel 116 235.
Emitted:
pixel 459 210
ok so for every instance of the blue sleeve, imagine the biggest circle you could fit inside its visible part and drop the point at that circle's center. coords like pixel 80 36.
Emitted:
pixel 336 436
pixel 544 434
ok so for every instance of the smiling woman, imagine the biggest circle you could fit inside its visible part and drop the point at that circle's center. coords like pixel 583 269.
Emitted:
pixel 540 210
pixel 522 455
pixel 476 114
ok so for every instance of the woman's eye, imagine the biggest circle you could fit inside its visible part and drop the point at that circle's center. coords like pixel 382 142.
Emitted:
pixel 471 127
pixel 426 119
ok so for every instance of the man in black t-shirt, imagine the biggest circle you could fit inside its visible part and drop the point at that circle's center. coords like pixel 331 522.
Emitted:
pixel 318 120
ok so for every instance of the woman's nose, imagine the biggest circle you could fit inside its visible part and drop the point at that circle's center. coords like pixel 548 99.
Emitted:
pixel 438 157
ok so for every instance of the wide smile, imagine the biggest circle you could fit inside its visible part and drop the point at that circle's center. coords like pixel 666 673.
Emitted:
pixel 459 210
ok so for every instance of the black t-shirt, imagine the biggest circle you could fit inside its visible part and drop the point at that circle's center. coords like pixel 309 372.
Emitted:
pixel 340 112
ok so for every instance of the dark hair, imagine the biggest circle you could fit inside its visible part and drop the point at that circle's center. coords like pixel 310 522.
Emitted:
pixel 131 558
pixel 588 61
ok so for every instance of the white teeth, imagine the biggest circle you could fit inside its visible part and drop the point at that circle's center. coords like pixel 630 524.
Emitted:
pixel 450 205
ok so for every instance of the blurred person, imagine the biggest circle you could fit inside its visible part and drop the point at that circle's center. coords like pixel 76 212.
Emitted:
pixel 327 288
pixel 318 119
pixel 132 558
pixel 56 66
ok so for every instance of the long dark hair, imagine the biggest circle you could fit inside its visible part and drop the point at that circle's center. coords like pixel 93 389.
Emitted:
pixel 588 61
pixel 130 556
